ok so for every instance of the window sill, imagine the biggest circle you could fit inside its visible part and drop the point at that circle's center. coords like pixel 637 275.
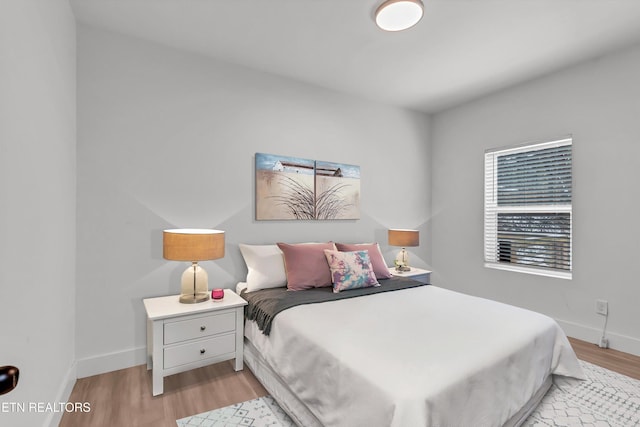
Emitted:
pixel 528 270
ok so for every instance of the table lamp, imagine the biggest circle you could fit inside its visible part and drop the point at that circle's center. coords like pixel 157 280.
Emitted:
pixel 403 238
pixel 193 245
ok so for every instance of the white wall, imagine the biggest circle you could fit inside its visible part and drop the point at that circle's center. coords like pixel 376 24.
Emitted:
pixel 599 103
pixel 167 139
pixel 37 204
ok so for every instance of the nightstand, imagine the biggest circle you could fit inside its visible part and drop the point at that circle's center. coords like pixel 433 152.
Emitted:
pixel 418 274
pixel 181 337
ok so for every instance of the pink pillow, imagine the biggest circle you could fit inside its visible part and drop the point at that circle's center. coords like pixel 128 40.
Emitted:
pixel 375 255
pixel 306 265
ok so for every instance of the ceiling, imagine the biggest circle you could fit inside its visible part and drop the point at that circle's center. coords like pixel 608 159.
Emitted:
pixel 462 49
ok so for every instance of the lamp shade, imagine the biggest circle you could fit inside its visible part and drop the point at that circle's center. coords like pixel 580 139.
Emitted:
pixel 403 237
pixel 190 244
pixel 398 15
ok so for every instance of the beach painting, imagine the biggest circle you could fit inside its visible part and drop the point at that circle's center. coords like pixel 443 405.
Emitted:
pixel 303 189
pixel 284 187
pixel 337 191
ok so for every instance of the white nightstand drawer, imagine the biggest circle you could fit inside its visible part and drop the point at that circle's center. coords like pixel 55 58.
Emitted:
pixel 204 326
pixel 199 350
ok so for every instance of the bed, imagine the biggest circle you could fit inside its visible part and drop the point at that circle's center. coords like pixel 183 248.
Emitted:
pixel 413 356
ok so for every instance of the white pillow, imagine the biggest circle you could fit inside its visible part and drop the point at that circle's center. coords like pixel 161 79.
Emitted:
pixel 266 266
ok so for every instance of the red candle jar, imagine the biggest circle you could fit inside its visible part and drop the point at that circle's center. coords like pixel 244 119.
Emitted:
pixel 217 294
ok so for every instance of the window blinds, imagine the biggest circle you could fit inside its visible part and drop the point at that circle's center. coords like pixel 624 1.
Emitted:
pixel 528 193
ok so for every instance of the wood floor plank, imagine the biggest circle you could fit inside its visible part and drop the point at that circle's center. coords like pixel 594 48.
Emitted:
pixel 614 360
pixel 123 398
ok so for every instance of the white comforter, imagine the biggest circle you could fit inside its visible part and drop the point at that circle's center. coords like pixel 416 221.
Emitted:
pixel 424 356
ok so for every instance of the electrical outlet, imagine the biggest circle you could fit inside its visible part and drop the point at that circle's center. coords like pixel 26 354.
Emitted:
pixel 602 307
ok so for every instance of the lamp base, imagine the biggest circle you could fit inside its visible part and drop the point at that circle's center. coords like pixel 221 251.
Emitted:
pixel 192 299
pixel 194 287
pixel 402 261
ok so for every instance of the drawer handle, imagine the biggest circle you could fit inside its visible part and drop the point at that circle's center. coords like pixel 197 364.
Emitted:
pixel 202 350
pixel 202 328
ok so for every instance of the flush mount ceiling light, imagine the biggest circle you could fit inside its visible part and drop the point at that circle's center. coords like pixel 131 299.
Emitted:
pixel 398 15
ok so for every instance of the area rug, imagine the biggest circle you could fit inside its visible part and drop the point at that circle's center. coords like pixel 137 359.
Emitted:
pixel 260 412
pixel 606 398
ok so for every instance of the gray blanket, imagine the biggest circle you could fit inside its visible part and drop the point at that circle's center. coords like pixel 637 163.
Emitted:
pixel 265 304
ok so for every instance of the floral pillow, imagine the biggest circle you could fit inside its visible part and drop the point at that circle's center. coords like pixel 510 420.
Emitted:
pixel 350 270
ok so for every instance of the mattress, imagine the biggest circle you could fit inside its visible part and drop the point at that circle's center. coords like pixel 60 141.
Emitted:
pixel 422 356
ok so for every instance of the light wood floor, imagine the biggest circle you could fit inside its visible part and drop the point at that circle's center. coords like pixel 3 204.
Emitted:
pixel 123 398
pixel 624 363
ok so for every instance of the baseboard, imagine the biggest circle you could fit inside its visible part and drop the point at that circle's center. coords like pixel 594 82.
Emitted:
pixel 109 362
pixel 585 333
pixel 53 418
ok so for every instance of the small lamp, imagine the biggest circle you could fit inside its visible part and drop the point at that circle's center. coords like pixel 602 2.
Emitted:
pixel 403 238
pixel 193 245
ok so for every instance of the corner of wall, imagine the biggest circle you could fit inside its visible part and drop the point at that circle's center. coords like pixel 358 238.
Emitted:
pixel 64 393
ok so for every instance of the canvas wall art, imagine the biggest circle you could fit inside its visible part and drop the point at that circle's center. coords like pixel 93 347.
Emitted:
pixel 337 191
pixel 299 189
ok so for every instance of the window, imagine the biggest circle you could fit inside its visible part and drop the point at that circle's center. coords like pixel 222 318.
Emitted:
pixel 527 208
